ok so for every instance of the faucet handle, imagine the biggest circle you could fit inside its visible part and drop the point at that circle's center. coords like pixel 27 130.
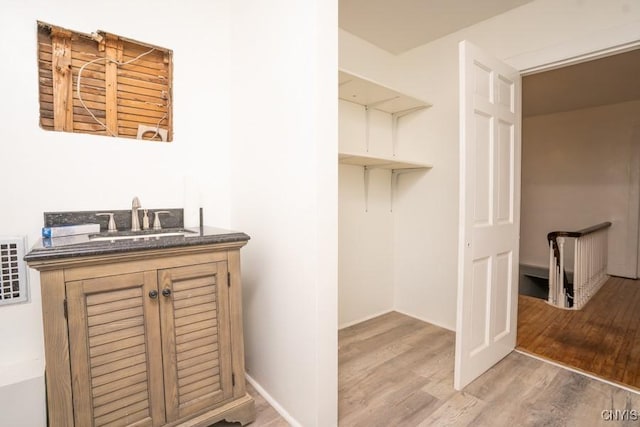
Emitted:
pixel 156 221
pixel 112 224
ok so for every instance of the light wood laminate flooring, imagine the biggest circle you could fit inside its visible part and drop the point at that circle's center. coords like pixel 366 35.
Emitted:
pixel 266 416
pixel 398 371
pixel 602 339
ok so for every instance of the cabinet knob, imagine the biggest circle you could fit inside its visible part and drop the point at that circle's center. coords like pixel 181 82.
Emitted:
pixel 166 292
pixel 153 294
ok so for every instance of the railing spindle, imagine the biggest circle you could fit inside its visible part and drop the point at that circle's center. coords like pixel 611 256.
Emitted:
pixel 589 266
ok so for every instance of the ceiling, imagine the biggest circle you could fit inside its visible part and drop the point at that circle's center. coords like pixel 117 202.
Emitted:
pixel 400 25
pixel 602 81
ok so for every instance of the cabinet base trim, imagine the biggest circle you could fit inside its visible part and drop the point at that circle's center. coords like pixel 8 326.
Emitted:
pixel 242 410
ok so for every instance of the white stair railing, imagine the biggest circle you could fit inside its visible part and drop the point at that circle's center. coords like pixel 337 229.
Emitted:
pixel 589 266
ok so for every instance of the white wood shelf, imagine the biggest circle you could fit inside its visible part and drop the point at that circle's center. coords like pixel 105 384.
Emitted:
pixel 397 168
pixel 372 162
pixel 373 95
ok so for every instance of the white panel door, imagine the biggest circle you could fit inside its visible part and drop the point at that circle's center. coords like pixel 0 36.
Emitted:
pixel 490 110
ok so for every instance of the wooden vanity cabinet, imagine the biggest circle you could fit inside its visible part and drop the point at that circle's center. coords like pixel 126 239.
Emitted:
pixel 147 338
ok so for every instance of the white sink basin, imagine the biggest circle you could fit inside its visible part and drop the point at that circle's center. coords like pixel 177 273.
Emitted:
pixel 158 235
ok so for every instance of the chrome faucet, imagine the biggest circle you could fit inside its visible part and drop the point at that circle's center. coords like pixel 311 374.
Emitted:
pixel 135 221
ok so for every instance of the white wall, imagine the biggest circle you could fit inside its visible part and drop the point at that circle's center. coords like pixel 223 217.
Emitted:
pixel 366 242
pixel 284 195
pixel 358 56
pixel 22 393
pixel 283 112
pixel 426 218
pixel 49 171
pixel 579 168
pixel 365 248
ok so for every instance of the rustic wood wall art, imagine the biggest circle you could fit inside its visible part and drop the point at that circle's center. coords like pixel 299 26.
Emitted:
pixel 104 84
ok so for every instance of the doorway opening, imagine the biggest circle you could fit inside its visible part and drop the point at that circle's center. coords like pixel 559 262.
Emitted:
pixel 581 167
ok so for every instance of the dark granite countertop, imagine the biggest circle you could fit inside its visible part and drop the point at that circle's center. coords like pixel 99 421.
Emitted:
pixel 82 245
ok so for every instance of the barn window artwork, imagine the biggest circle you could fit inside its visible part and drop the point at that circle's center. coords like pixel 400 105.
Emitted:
pixel 104 84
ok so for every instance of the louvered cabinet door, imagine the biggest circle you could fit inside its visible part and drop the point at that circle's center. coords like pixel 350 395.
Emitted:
pixel 195 338
pixel 115 350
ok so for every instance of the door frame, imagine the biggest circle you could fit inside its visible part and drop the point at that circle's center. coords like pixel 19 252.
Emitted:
pixel 621 45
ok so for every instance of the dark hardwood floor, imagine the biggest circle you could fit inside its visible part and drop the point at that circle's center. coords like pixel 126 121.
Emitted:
pixel 602 339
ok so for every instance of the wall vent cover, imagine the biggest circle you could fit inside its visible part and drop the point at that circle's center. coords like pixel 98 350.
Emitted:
pixel 13 277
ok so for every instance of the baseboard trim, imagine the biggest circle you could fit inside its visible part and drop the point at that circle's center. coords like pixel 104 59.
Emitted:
pixel 273 402
pixel 577 371
pixel 422 319
pixel 22 371
pixel 364 319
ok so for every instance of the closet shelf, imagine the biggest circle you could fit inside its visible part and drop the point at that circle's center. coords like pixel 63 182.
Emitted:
pixel 373 95
pixel 371 162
